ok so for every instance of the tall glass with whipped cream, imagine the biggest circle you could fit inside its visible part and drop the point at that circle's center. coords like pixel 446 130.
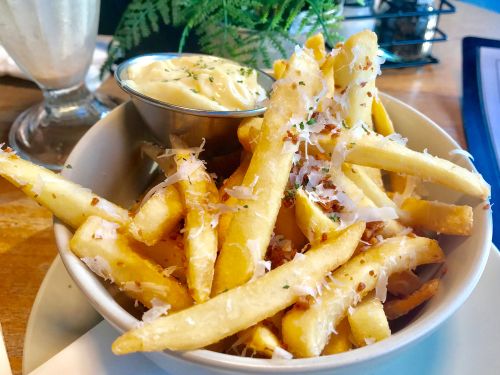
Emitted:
pixel 53 42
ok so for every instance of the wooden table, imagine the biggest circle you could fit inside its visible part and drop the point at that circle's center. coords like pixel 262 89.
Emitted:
pixel 27 245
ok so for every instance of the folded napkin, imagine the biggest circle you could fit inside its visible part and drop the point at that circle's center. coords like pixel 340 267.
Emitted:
pixel 9 68
pixel 91 354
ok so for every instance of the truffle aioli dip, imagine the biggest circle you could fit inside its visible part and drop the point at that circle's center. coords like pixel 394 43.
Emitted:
pixel 198 82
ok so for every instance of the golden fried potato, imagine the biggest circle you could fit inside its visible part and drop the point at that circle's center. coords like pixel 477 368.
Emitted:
pixel 339 341
pixel 110 255
pixel 437 216
pixel 399 307
pixel 242 307
pixel 199 192
pixel 368 322
pixel 69 202
pixel 250 230
pixel 306 332
pixel 158 216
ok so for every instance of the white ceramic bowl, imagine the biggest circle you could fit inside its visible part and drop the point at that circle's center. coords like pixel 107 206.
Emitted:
pixel 108 161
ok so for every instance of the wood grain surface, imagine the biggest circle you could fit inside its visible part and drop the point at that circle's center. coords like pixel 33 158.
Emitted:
pixel 27 244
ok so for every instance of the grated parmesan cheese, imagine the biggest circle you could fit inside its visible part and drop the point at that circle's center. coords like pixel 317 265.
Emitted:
pixel 108 207
pixel 461 152
pixel 280 353
pixel 304 290
pixel 299 256
pixel 158 309
pixel 261 267
pixel 99 266
pixel 37 187
pixel 370 340
pixel 381 287
pixel 356 52
pixel 107 230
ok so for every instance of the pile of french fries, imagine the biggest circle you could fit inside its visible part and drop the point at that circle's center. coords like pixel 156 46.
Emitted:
pixel 306 249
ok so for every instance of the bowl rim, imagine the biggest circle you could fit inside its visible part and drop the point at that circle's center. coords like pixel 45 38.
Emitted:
pixel 415 332
pixel 122 69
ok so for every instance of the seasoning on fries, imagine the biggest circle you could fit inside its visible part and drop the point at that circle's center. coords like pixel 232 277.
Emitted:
pixel 302 251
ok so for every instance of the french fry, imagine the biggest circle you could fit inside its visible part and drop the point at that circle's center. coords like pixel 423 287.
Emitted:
pixel 158 216
pixel 339 341
pixel 317 44
pixel 437 216
pixel 169 253
pixel 355 76
pixel 311 219
pixel 249 132
pixel 110 255
pixel 368 322
pixel 242 307
pixel 155 152
pixel 391 227
pixel 402 284
pixel 260 339
pixel 363 181
pixel 69 202
pixel 381 121
pixel 250 229
pixel 234 180
pixel 200 236
pixel 383 125
pixel 279 67
pixel 327 68
pixel 286 225
pixel 394 157
pixel 399 307
pixel 306 332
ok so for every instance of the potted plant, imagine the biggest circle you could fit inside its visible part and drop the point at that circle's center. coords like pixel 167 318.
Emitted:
pixel 253 32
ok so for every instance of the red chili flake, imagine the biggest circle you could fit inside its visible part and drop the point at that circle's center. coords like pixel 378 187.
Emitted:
pixel 372 273
pixel 363 84
pixel 330 129
pixel 371 231
pixel 487 206
pixel 225 197
pixel 332 206
pixel 368 63
pixel 324 237
pixel 8 149
pixel 293 137
pixel 369 94
pixel 343 91
pixel 94 201
pixel 327 184
pixel 361 286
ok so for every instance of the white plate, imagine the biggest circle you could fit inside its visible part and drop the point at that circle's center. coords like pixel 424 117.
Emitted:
pixel 122 128
pixel 468 343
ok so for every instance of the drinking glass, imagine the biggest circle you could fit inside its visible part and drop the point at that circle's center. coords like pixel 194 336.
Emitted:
pixel 53 42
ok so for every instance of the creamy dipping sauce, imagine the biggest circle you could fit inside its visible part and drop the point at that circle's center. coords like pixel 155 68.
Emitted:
pixel 199 82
